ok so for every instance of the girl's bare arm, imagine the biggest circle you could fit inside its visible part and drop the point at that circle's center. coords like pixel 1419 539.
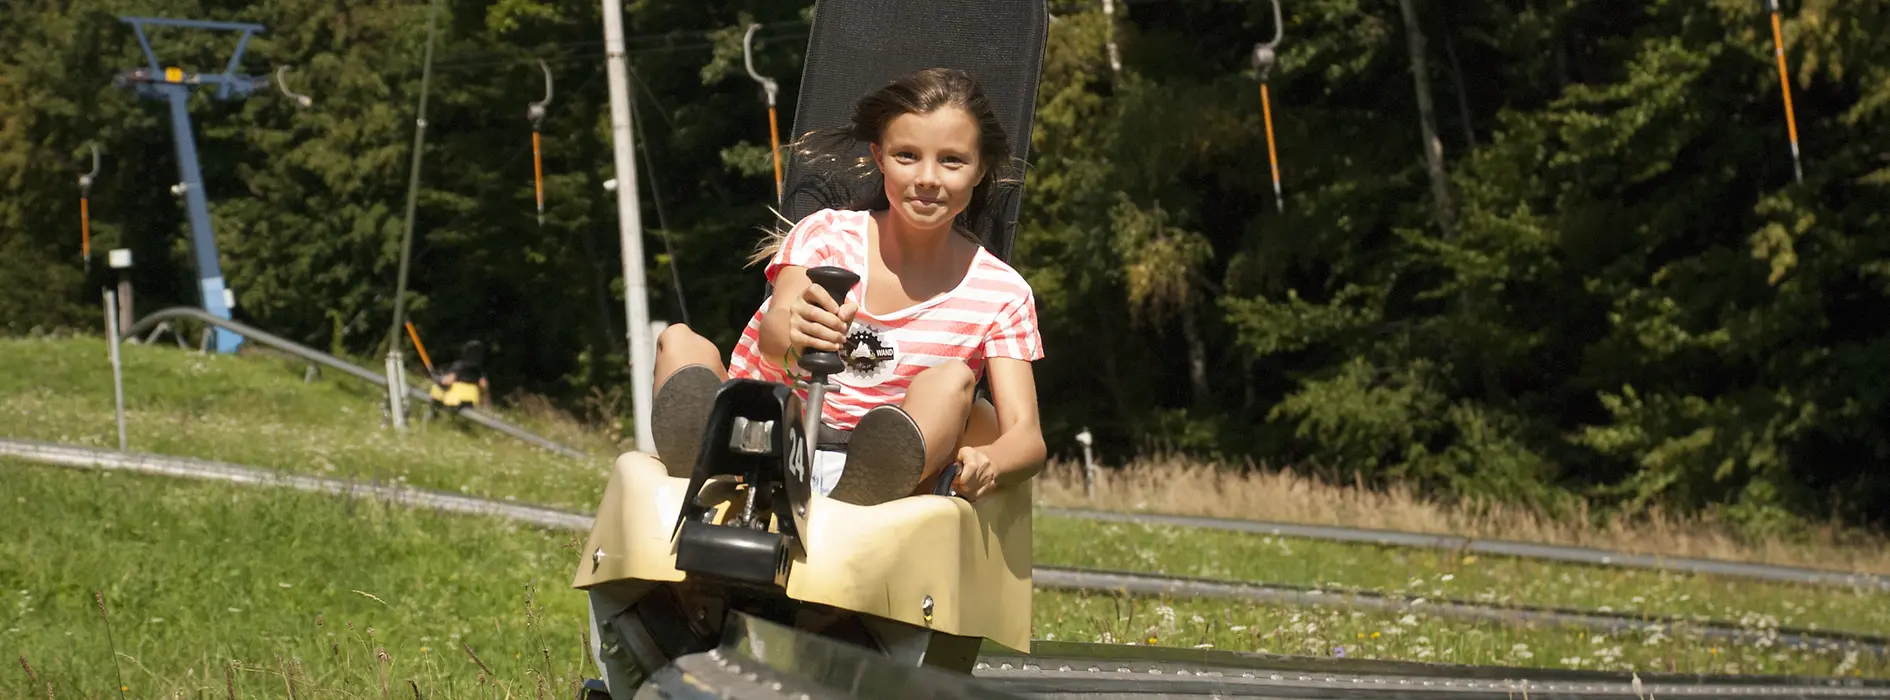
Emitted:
pixel 1018 454
pixel 789 284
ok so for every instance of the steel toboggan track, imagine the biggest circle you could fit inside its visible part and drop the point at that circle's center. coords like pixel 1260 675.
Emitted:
pixel 1501 548
pixel 1066 670
pixel 758 660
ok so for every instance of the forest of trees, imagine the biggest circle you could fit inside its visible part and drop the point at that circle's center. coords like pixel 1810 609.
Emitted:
pixel 1608 283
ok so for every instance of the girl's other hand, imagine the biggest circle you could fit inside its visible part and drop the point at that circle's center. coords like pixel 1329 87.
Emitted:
pixel 816 323
pixel 976 476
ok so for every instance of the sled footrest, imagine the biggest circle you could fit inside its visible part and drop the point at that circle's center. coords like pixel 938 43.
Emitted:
pixel 733 554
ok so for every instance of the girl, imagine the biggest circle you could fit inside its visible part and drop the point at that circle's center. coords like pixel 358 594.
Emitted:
pixel 933 311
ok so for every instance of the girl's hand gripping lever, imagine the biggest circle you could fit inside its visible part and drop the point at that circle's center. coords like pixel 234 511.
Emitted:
pixel 821 363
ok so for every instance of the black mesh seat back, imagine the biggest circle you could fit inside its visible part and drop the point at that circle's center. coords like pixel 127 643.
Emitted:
pixel 858 46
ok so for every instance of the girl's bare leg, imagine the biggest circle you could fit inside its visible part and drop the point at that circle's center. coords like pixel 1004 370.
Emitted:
pixel 939 400
pixel 981 430
pixel 678 416
pixel 678 347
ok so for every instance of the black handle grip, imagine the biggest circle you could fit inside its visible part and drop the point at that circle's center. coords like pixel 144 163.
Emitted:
pixel 837 282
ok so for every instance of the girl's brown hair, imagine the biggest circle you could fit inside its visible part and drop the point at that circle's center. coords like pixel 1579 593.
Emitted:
pixel 920 92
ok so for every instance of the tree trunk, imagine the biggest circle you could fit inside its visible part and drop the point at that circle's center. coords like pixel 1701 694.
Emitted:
pixel 1111 376
pixel 1197 356
pixel 1427 121
pixel 1247 395
pixel 1561 57
pixel 1463 95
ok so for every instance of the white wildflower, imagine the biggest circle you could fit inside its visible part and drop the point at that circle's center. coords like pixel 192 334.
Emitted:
pixel 1849 662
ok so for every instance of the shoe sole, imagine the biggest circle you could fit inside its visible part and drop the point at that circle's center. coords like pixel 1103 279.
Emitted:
pixel 679 414
pixel 885 459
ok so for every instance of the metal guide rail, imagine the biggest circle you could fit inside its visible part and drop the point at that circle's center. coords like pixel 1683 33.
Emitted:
pixel 1058 669
pixel 1501 548
pixel 761 660
pixel 1123 582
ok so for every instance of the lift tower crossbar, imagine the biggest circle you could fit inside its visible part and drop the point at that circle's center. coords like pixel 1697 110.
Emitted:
pixel 173 84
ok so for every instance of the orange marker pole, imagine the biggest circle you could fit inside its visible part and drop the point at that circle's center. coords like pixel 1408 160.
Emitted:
pixel 538 176
pixel 1273 158
pixel 768 88
pixel 1785 85
pixel 774 140
pixel 85 211
pixel 411 333
pixel 85 232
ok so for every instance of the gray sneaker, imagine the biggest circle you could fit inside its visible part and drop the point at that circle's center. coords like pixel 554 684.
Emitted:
pixel 679 414
pixel 885 458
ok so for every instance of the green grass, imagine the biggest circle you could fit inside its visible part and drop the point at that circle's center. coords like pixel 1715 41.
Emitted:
pixel 275 586
pixel 278 588
pixel 1440 574
pixel 443 576
pixel 1332 631
pixel 258 412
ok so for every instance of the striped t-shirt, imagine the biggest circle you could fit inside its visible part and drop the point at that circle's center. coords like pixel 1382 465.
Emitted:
pixel 990 314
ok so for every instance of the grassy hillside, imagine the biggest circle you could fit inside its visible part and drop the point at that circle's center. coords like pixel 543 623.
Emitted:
pixel 274 588
pixel 258 411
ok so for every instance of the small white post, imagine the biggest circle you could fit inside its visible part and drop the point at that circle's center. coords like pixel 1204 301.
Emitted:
pixel 636 301
pixel 396 391
pixel 1089 465
pixel 118 377
pixel 121 261
pixel 643 379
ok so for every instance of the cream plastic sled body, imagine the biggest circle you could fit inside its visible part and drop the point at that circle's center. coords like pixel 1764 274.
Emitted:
pixel 971 561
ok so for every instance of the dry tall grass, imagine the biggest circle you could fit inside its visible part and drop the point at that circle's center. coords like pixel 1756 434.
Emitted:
pixel 1178 487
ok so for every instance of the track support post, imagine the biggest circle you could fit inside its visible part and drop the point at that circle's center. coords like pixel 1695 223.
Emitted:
pixel 118 373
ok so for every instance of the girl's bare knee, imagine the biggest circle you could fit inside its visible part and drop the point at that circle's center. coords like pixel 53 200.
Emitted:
pixel 981 428
pixel 950 376
pixel 678 346
pixel 678 338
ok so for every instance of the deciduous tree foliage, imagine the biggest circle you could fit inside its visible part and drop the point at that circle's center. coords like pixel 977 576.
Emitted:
pixel 1638 303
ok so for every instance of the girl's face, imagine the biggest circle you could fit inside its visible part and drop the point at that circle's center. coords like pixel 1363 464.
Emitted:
pixel 931 165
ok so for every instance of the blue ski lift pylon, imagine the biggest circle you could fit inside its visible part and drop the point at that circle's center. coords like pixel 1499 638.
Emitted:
pixel 174 85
